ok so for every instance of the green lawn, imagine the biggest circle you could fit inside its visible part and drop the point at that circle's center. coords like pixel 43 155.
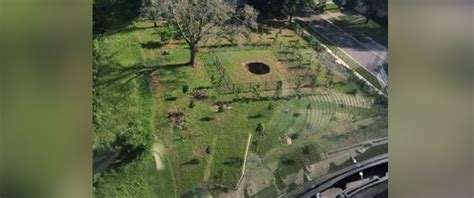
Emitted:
pixel 235 62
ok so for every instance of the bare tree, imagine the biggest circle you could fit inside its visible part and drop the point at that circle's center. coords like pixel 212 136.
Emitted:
pixel 151 10
pixel 370 7
pixel 292 7
pixel 198 19
pixel 243 21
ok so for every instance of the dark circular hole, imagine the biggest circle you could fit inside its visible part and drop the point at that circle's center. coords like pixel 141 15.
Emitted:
pixel 258 68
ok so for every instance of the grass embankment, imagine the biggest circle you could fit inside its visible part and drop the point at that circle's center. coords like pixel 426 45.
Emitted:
pixel 359 29
pixel 354 65
pixel 124 119
pixel 331 7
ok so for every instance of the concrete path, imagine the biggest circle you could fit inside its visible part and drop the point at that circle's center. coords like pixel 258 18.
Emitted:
pixel 371 55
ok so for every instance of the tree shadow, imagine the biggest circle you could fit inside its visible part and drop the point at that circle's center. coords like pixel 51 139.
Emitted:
pixel 191 162
pixel 152 45
pixel 110 16
pixel 234 161
pixel 288 162
pixel 113 74
pixel 207 119
pixel 171 98
pixel 256 116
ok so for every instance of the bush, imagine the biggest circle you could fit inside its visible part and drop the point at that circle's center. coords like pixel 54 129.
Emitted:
pixel 185 89
pixel 209 149
pixel 381 100
pixel 270 106
pixel 166 33
pixel 352 91
pixel 199 94
pixel 260 129
pixel 221 108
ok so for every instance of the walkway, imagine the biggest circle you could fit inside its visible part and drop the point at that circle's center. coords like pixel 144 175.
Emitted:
pixel 369 54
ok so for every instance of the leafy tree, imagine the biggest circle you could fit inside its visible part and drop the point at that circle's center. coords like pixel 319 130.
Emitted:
pixel 199 19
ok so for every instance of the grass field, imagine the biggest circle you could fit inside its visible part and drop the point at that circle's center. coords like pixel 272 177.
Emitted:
pixel 210 148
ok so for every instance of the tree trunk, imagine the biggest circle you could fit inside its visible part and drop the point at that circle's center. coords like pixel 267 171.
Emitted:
pixel 368 12
pixel 193 51
pixel 154 21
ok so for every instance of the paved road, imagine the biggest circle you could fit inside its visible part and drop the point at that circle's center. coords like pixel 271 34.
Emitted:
pixel 373 57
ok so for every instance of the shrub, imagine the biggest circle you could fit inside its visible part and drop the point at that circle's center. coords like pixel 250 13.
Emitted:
pixel 166 33
pixel 260 129
pixel 294 136
pixel 221 108
pixel 352 91
pixel 199 94
pixel 381 100
pixel 270 106
pixel 185 89
pixel 209 149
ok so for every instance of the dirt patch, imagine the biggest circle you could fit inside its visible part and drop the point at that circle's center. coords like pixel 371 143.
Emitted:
pixel 158 151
